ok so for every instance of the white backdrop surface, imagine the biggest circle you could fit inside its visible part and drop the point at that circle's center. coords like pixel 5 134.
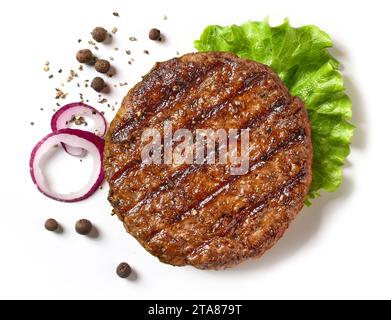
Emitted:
pixel 337 248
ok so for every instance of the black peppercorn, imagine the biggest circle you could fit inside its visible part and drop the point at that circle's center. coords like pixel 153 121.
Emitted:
pixel 124 270
pixel 85 56
pixel 51 225
pixel 98 84
pixel 102 65
pixel 99 34
pixel 154 34
pixel 83 226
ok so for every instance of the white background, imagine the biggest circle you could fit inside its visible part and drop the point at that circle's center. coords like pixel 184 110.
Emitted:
pixel 338 248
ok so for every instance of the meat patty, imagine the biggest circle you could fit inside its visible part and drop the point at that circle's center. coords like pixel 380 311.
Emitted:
pixel 201 214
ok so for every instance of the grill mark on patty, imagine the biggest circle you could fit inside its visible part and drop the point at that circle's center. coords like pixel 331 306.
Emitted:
pixel 206 114
pixel 125 169
pixel 179 175
pixel 260 205
pixel 255 208
pixel 203 199
pixel 152 108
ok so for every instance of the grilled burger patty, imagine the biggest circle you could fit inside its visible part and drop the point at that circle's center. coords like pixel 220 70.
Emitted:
pixel 199 214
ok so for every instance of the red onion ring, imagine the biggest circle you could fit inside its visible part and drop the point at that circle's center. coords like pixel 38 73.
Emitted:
pixel 62 120
pixel 75 138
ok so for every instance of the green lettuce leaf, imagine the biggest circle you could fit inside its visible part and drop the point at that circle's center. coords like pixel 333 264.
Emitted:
pixel 301 58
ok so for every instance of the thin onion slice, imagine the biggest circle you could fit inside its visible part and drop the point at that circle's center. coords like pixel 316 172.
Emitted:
pixel 75 138
pixel 67 115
